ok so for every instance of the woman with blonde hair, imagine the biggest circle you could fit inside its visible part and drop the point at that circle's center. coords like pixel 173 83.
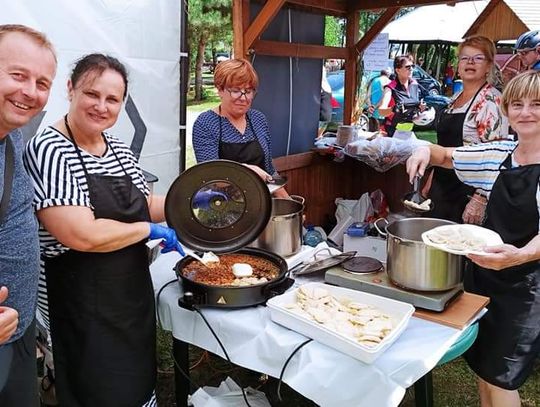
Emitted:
pixel 233 130
pixel 508 342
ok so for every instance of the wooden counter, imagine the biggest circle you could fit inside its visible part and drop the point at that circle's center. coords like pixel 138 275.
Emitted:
pixel 320 180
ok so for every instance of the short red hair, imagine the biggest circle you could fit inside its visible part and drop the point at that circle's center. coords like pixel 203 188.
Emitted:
pixel 237 73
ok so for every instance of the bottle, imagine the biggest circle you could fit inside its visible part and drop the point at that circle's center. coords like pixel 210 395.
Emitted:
pixel 312 237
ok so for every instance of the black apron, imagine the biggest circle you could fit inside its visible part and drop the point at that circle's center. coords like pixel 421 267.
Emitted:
pixel 102 311
pixel 509 336
pixel 249 152
pixel 448 193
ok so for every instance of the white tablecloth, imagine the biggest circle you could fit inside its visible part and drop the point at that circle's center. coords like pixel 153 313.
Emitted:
pixel 322 374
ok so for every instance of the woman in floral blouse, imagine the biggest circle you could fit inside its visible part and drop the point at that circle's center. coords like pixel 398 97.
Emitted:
pixel 473 116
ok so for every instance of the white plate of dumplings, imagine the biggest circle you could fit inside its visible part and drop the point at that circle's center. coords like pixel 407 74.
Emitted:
pixel 461 239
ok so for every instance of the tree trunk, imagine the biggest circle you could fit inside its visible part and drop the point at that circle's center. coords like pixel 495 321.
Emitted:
pixel 201 45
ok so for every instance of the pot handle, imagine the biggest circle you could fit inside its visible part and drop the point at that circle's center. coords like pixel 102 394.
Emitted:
pixel 298 198
pixel 385 233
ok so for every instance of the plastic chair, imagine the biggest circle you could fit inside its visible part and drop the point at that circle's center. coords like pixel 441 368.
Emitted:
pixel 423 388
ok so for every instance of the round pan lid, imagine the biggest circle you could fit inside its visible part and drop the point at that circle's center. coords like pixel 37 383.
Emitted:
pixel 218 206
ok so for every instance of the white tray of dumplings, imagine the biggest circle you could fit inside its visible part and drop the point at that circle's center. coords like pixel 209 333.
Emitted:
pixel 358 324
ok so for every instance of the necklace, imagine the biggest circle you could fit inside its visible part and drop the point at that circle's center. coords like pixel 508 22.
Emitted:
pixel 72 138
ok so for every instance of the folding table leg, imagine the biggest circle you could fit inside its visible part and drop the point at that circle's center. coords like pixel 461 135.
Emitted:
pixel 423 391
pixel 181 383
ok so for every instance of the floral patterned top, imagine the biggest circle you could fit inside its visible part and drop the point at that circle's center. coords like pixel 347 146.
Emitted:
pixel 485 121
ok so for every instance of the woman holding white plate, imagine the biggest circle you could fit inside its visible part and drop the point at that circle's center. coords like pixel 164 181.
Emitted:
pixel 508 342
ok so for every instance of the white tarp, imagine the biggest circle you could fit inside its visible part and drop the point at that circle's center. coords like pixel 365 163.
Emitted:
pixel 438 22
pixel 145 36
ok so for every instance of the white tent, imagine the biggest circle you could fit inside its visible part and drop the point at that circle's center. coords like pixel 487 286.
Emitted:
pixel 143 34
pixel 437 23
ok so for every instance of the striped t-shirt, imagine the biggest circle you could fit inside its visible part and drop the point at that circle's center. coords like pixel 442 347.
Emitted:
pixel 479 165
pixel 58 176
pixel 59 180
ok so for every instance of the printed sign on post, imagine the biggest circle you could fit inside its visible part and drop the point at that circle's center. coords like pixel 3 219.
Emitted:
pixel 376 54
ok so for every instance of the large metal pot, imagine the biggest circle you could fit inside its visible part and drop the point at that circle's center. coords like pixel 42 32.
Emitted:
pixel 236 297
pixel 414 265
pixel 283 233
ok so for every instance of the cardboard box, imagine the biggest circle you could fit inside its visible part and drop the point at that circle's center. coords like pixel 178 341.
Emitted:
pixel 366 246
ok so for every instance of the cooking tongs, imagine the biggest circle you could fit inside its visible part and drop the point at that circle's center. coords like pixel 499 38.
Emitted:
pixel 317 264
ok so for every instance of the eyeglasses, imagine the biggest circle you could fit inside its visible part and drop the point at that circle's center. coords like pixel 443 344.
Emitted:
pixel 238 93
pixel 475 59
pixel 523 52
pixel 409 67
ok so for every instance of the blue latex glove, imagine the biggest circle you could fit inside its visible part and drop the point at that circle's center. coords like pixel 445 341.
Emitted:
pixel 202 199
pixel 169 242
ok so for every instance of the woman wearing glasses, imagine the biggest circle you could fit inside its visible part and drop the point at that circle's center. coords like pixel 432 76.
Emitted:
pixel 232 130
pixel 401 97
pixel 473 116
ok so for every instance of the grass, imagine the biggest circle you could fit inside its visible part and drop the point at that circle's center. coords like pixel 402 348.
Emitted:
pixel 454 383
pixel 211 100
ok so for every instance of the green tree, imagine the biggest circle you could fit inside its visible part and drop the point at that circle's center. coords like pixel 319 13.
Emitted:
pixel 208 22
pixel 333 31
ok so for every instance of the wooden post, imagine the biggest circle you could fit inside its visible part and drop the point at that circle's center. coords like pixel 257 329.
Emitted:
pixel 351 65
pixel 238 28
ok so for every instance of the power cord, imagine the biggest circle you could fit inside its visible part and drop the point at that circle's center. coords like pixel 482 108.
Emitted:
pixel 285 366
pixel 197 309
pixel 178 367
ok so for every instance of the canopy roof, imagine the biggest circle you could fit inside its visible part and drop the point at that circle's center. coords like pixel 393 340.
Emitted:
pixel 439 22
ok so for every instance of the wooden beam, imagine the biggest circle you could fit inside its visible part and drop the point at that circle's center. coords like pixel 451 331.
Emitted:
pixel 351 66
pixel 263 19
pixel 327 7
pixel 376 28
pixel 295 50
pixel 238 28
pixel 384 4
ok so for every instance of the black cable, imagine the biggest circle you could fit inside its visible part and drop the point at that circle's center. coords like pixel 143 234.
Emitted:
pixel 157 300
pixel 285 366
pixel 186 375
pixel 222 348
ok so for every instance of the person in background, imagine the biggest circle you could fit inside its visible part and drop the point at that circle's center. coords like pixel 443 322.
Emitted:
pixel 528 49
pixel 508 343
pixel 233 130
pixel 420 62
pixel 325 111
pixel 401 97
pixel 473 116
pixel 27 69
pixel 375 92
pixel 96 215
pixel 448 80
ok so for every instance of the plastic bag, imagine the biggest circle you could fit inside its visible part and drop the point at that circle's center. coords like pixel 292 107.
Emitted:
pixel 380 206
pixel 349 211
pixel 228 394
pixel 383 153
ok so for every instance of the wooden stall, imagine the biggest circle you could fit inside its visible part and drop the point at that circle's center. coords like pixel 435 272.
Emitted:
pixel 318 178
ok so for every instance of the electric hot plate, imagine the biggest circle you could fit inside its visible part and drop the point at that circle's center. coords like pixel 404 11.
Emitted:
pixel 378 283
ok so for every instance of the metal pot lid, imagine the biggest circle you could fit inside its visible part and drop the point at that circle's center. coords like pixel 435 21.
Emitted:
pixel 323 264
pixel 218 206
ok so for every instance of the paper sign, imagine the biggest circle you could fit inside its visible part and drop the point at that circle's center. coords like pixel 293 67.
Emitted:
pixel 376 54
